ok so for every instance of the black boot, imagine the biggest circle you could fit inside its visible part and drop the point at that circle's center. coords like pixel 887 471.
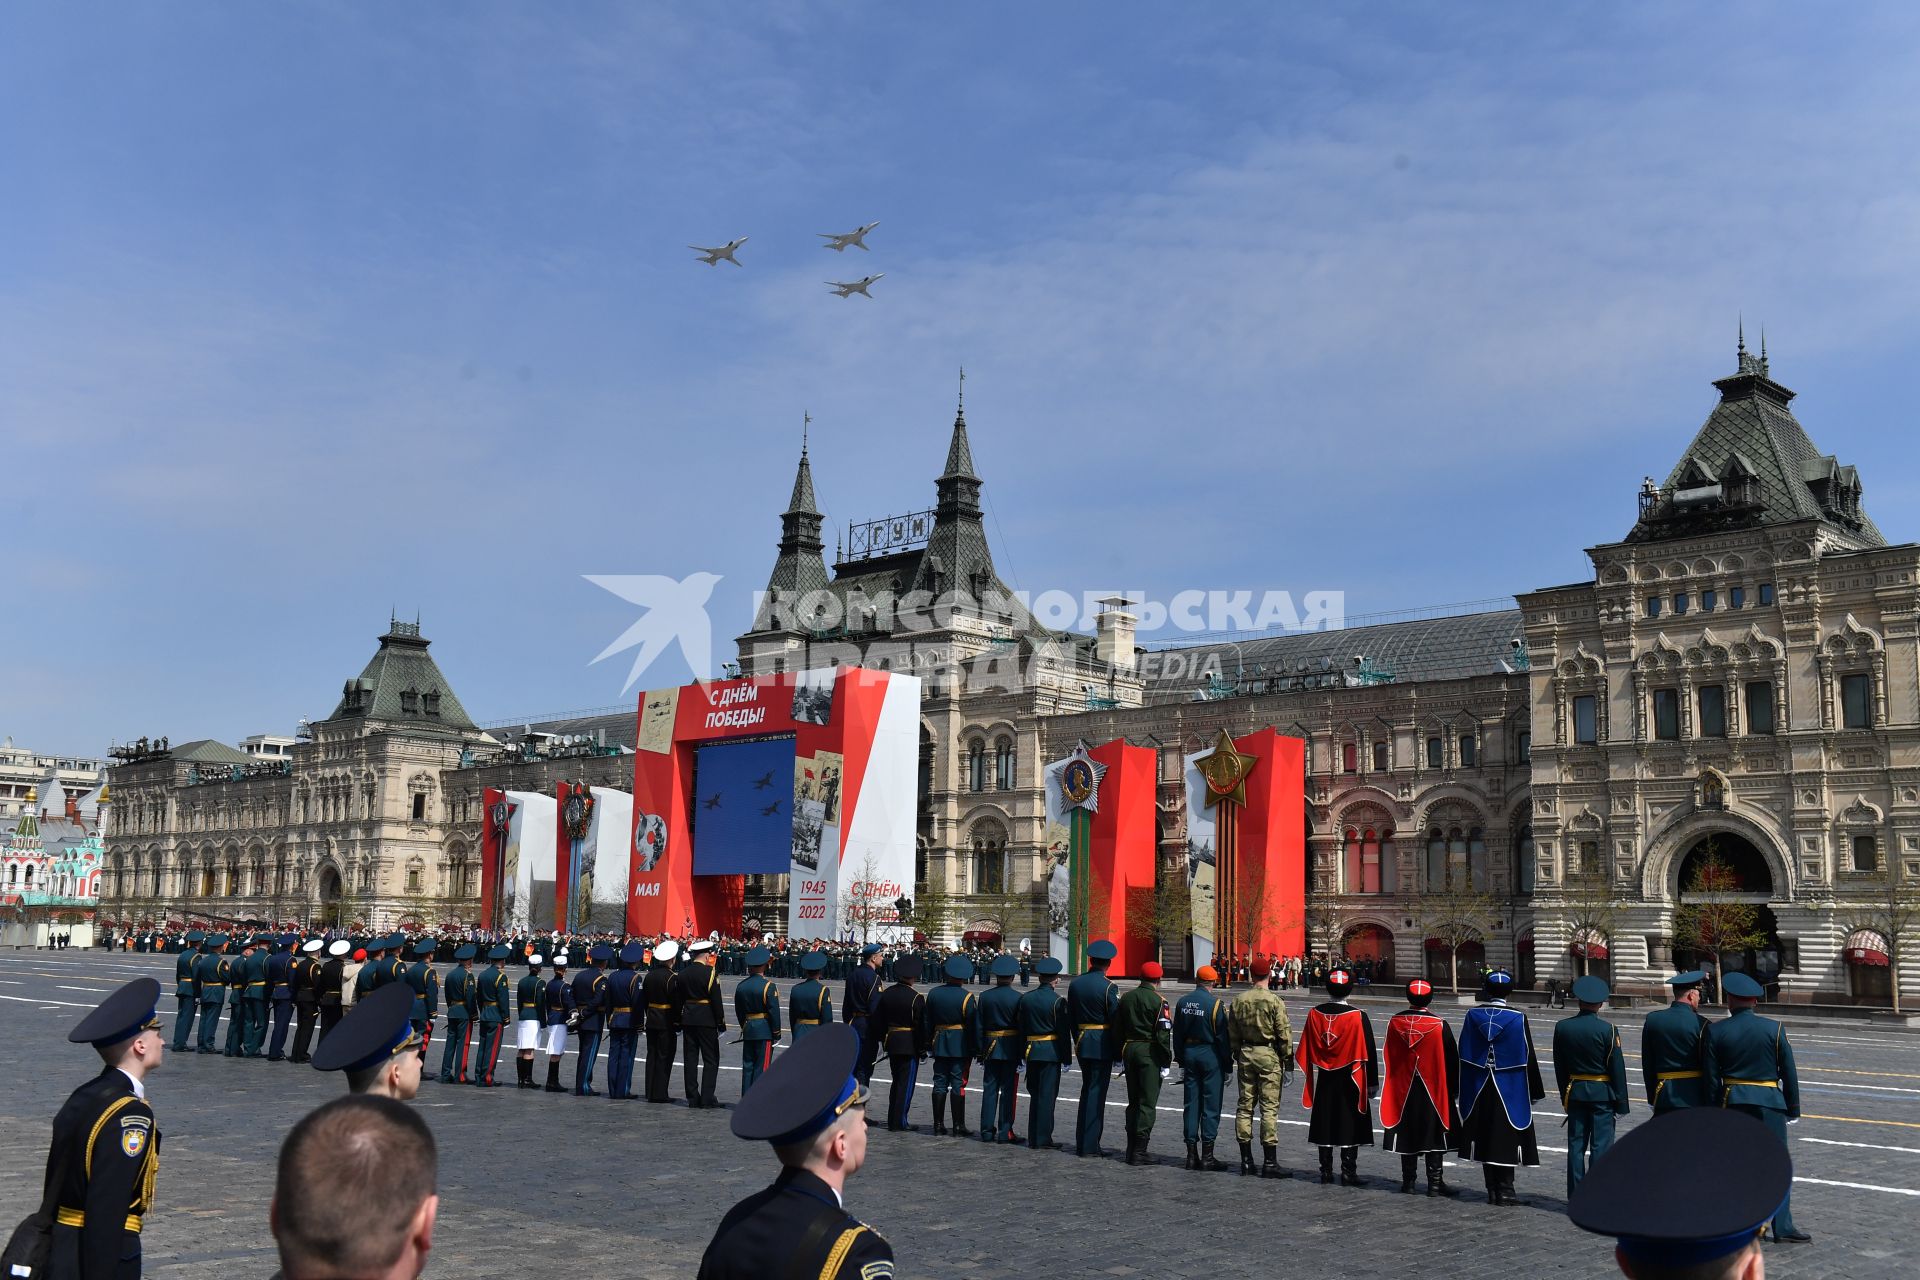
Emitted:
pixel 1436 1175
pixel 1350 1167
pixel 1210 1162
pixel 1492 1177
pixel 1246 1159
pixel 960 1116
pixel 1193 1155
pixel 526 1074
pixel 1409 1172
pixel 1270 1167
pixel 553 1076
pixel 1503 1191
pixel 1136 1150
pixel 939 1113
pixel 1326 1168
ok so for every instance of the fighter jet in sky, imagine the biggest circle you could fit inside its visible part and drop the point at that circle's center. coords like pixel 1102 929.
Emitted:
pixel 713 801
pixel 712 256
pixel 852 239
pixel 771 809
pixel 764 781
pixel 847 290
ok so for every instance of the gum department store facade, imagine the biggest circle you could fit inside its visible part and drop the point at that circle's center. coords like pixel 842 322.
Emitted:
pixel 1740 677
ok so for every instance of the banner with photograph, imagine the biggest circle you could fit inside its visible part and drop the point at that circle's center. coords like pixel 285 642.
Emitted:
pixel 1056 837
pixel 1202 832
pixel 528 866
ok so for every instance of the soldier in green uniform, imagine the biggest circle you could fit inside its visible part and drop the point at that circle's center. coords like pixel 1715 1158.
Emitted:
pixel 494 996
pixel 233 973
pixel 1673 1045
pixel 1049 1049
pixel 1590 1073
pixel 810 1004
pixel 1749 1068
pixel 1261 1040
pixel 1200 1047
pixel 756 1006
pixel 1000 1046
pixel 373 970
pixel 424 980
pixel 953 1033
pixel 186 1001
pixel 1143 1026
pixel 253 999
pixel 1092 999
pixel 462 1005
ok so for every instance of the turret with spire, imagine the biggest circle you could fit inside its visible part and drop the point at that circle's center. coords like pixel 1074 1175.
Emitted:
pixel 957 556
pixel 799 568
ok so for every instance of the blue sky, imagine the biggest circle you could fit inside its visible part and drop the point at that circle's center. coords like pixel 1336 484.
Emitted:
pixel 310 311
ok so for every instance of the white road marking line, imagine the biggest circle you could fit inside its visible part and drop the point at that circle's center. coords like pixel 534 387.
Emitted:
pixel 1870 1146
pixel 57 1004
pixel 1858 1186
pixel 1877 1088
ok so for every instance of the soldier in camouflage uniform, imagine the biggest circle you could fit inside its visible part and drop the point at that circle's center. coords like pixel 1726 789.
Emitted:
pixel 1262 1041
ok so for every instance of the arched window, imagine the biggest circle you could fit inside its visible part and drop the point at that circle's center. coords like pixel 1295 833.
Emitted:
pixel 977 766
pixel 1349 758
pixel 1456 859
pixel 989 858
pixel 1003 764
pixel 1370 860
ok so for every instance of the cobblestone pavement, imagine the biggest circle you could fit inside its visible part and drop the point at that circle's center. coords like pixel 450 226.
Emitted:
pixel 591 1186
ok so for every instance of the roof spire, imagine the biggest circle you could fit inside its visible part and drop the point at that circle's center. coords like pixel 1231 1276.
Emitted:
pixel 962 410
pixel 806 420
pixel 1763 348
pixel 1741 350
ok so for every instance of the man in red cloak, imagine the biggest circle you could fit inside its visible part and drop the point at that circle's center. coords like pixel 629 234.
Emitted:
pixel 1341 1068
pixel 1421 1081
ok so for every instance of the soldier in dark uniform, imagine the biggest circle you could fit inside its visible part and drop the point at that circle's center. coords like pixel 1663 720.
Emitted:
pixel 332 985
pixel 304 975
pixel 1000 1052
pixel 900 1027
pixel 590 998
pixel 1499 1083
pixel 373 971
pixel 1092 999
pixel 1048 1044
pixel 953 1033
pixel 1750 1069
pixel 462 1006
pixel 624 1016
pixel 1340 1074
pixel 1420 1081
pixel 857 1004
pixel 186 1002
pixel 235 971
pixel 376 1045
pixel 280 994
pixel 1673 1046
pixel 254 999
pixel 756 1005
pixel 210 989
pixel 530 1008
pixel 105 1154
pixel 494 995
pixel 701 1011
pixel 811 1108
pixel 657 998
pixel 559 1006
pixel 1590 1073
pixel 810 1004
pixel 1143 1024
pixel 1200 1047
pixel 424 981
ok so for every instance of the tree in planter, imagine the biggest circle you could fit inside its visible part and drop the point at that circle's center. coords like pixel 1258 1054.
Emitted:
pixel 936 910
pixel 1717 921
pixel 1456 914
pixel 1325 928
pixel 1894 914
pixel 1591 910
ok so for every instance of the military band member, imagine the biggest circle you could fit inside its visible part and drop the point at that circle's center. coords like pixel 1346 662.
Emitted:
pixel 1673 1047
pixel 1144 1026
pixel 530 1004
pixel 1648 1195
pixel 810 1003
pixel 463 1005
pixel 1419 1083
pixel 280 994
pixel 590 998
pixel 1001 1049
pixel 559 1006
pixel 811 1108
pixel 1092 999
pixel 701 1012
pixel 1048 1044
pixel 1499 1083
pixel 953 1035
pixel 494 996
pixel 186 999
pixel 857 1005
pixel 1749 1067
pixel 306 997
pixel 1341 1067
pixel 624 1018
pixel 1590 1073
pixel 900 1027
pixel 1200 1047
pixel 1262 1042
pixel 756 1003
pixel 658 997
pixel 210 989
pixel 105 1155
pixel 376 1045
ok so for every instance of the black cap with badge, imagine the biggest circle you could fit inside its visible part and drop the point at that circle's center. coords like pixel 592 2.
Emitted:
pixel 121 1016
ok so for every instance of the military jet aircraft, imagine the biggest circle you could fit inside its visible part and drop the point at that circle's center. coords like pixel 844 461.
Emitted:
pixel 713 256
pixel 852 239
pixel 848 289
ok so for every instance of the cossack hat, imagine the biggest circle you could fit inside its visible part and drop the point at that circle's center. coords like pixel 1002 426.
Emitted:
pixel 1419 993
pixel 1339 982
pixel 1498 984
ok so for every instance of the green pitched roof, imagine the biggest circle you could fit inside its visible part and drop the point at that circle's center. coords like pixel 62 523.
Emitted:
pixel 207 751
pixel 402 683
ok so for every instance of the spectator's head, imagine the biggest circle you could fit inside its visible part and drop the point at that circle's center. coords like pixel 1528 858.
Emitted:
pixel 355 1193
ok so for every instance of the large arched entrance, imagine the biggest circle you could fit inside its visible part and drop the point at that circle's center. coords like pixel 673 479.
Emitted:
pixel 1469 958
pixel 1723 923
pixel 1369 952
pixel 329 914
